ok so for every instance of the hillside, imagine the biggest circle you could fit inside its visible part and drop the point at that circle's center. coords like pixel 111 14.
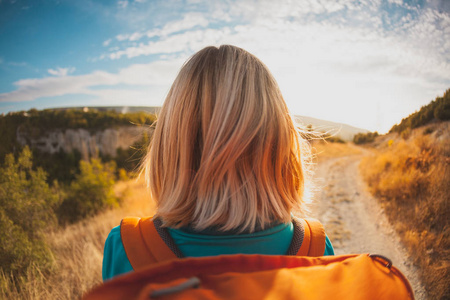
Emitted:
pixel 343 131
pixel 410 176
pixel 36 124
pixel 435 111
pixel 59 138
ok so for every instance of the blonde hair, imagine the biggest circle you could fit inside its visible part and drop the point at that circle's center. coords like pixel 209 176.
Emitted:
pixel 225 151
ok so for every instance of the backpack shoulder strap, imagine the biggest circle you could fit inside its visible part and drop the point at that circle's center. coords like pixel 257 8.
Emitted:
pixel 142 242
pixel 313 239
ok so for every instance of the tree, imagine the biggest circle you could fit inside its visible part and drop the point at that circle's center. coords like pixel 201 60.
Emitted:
pixel 27 206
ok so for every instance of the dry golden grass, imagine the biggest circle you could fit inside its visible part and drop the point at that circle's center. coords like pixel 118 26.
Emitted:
pixel 78 251
pixel 323 150
pixel 412 179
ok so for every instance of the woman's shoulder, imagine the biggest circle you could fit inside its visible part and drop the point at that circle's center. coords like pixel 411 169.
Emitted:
pixel 113 243
pixel 114 233
pixel 114 240
pixel 115 260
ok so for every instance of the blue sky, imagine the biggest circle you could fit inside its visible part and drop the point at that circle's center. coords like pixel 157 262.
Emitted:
pixel 367 63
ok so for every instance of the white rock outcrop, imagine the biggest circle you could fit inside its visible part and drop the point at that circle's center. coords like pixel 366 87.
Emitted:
pixel 88 143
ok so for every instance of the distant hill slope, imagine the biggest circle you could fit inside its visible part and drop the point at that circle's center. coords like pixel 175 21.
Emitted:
pixel 344 131
pixel 119 109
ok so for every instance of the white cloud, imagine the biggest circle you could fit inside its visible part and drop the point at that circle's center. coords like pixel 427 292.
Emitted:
pixel 363 68
pixel 189 21
pixel 122 4
pixel 122 37
pixel 135 36
pixel 398 2
pixel 61 71
pixel 107 42
pixel 365 48
pixel 383 74
pixel 185 42
pixel 155 75
pixel 328 56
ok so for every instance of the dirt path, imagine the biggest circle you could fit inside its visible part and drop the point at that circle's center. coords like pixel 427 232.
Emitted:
pixel 353 219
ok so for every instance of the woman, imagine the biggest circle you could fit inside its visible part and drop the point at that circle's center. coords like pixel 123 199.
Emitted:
pixel 226 165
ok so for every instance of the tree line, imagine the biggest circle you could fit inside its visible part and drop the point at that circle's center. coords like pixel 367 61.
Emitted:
pixel 438 109
pixel 38 122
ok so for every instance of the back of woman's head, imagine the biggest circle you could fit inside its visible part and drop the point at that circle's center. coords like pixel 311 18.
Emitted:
pixel 225 151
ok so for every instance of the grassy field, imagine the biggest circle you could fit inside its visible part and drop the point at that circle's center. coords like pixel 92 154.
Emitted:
pixel 78 250
pixel 323 150
pixel 411 177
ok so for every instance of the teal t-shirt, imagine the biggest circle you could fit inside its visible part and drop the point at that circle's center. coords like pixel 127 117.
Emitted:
pixel 272 241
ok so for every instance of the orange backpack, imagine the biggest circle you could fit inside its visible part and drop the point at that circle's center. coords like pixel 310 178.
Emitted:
pixel 161 274
pixel 146 242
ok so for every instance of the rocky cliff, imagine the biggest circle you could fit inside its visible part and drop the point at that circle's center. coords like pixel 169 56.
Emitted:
pixel 88 143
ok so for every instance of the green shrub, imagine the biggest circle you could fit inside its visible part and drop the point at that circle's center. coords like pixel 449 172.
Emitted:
pixel 90 192
pixel 334 139
pixel 406 133
pixel 363 138
pixel 429 130
pixel 59 166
